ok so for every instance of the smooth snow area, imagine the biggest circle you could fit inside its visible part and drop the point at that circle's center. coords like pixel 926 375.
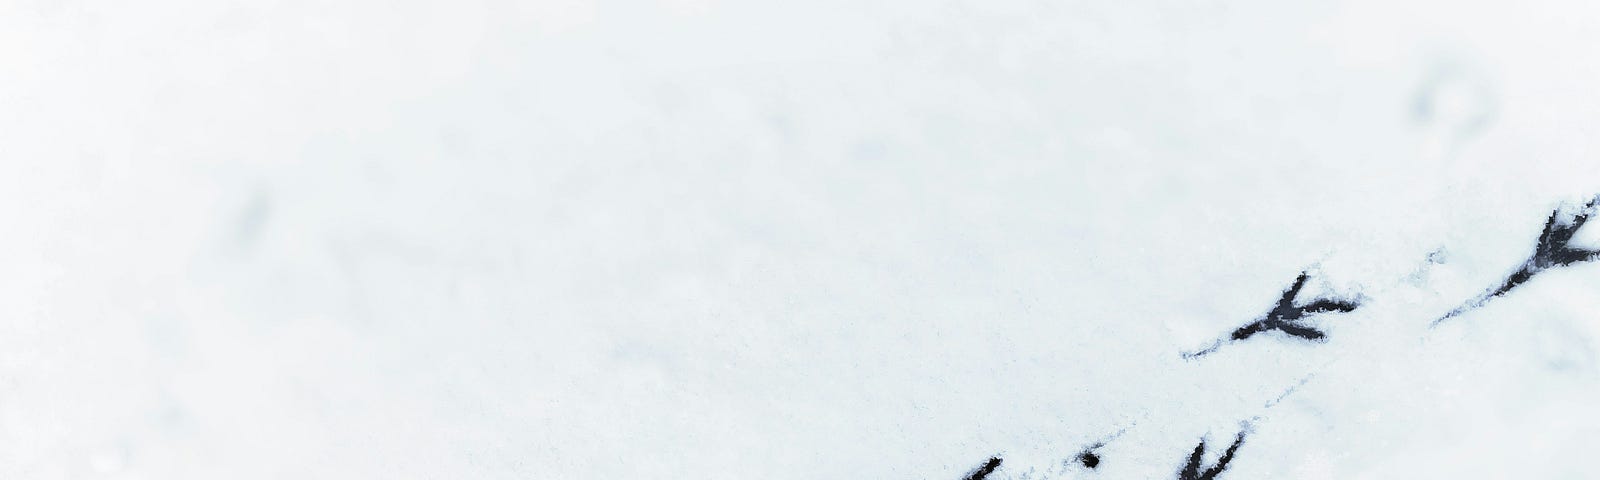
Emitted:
pixel 719 239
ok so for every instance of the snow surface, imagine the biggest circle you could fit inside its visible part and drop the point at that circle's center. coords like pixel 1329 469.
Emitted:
pixel 708 239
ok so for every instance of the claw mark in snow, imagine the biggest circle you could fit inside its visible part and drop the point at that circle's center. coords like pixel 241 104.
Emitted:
pixel 984 470
pixel 1192 471
pixel 1289 391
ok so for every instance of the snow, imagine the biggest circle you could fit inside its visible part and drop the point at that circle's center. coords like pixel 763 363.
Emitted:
pixel 577 239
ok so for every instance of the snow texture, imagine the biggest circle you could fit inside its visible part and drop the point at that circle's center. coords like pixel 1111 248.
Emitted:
pixel 709 239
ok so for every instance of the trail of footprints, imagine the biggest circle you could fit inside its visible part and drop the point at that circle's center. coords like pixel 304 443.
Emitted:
pixel 1288 317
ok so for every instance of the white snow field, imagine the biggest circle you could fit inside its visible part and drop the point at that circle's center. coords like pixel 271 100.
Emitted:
pixel 794 240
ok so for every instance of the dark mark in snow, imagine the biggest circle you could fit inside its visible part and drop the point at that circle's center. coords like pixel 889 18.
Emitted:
pixel 1551 251
pixel 1192 471
pixel 984 470
pixel 1285 317
pixel 1089 459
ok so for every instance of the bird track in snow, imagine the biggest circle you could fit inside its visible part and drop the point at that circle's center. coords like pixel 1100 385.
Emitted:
pixel 1286 317
pixel 1552 250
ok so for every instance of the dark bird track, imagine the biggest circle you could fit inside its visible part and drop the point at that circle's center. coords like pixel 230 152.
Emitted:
pixel 1551 251
pixel 1287 317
